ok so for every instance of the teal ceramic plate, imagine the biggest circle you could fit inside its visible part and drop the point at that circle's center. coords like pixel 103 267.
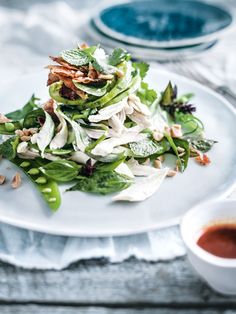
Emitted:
pixel 149 53
pixel 163 23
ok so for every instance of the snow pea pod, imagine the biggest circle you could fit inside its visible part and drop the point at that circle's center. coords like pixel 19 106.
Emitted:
pixel 47 187
pixel 9 128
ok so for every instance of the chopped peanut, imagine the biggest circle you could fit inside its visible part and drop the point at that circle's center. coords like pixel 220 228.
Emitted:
pixel 157 135
pixel 25 134
pixel 2 179
pixel 161 158
pixel 157 164
pixel 176 131
pixel 171 173
pixel 16 181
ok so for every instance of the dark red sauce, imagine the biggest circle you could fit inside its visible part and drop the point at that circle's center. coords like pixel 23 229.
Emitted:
pixel 219 240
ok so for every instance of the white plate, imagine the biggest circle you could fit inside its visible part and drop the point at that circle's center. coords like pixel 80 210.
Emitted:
pixel 84 214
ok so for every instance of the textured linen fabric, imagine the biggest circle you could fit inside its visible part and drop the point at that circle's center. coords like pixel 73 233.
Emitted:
pixel 27 38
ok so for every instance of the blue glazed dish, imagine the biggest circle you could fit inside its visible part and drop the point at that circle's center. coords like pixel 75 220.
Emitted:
pixel 163 23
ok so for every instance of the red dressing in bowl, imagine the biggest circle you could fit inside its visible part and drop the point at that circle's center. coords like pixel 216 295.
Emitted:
pixel 219 240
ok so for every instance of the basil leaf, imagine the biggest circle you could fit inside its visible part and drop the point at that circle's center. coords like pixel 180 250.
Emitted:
pixel 204 145
pixel 147 96
pixel 149 147
pixel 118 55
pixel 183 160
pixel 32 118
pixel 167 95
pixel 93 90
pixel 76 57
pixel 142 67
pixel 8 148
pixel 21 113
pixel 61 170
pixel 102 183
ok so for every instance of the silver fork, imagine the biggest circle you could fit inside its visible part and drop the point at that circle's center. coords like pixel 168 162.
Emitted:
pixel 199 73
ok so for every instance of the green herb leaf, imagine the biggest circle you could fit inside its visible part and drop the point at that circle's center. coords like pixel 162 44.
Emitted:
pixel 183 159
pixel 167 95
pixel 147 96
pixel 8 148
pixel 149 147
pixel 21 113
pixel 142 67
pixel 118 55
pixel 202 144
pixel 76 57
pixel 102 183
pixel 93 90
pixel 61 170
pixel 32 118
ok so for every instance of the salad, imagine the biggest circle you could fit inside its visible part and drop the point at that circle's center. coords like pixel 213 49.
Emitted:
pixel 103 130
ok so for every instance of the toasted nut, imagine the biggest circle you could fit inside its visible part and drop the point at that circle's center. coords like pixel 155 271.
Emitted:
pixel 180 149
pixel 176 131
pixel 2 179
pixel 157 135
pixel 19 133
pixel 181 154
pixel 4 119
pixel 25 138
pixel 176 168
pixel 16 181
pixel 157 164
pixel 161 158
pixel 171 173
pixel 105 76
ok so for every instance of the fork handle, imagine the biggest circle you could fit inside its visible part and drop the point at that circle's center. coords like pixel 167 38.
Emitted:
pixel 227 93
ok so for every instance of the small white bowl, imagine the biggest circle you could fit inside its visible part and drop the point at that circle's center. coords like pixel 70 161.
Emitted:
pixel 220 273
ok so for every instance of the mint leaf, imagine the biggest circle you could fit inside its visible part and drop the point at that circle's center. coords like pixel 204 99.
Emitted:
pixel 147 96
pixel 142 67
pixel 202 144
pixel 118 55
pixel 21 113
pixel 148 147
pixel 76 57
pixel 8 148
